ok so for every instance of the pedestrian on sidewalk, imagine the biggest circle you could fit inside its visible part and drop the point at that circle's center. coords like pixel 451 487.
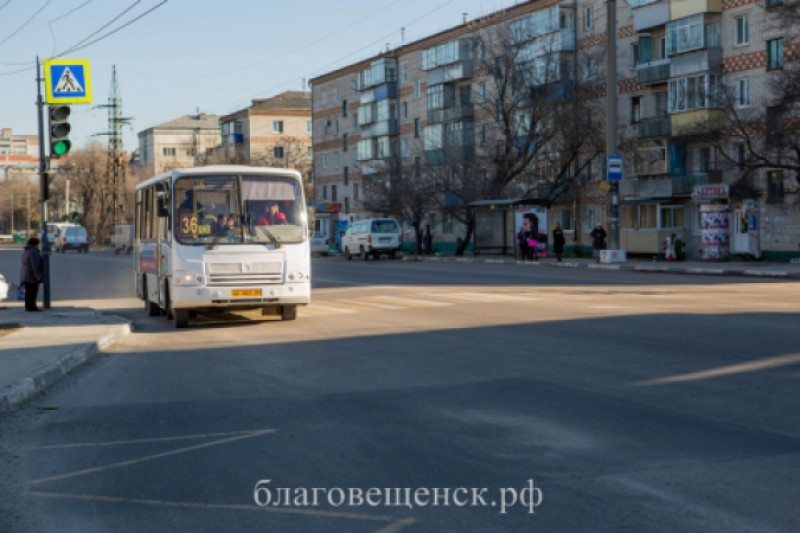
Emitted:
pixel 669 247
pixel 598 236
pixel 32 272
pixel 558 242
pixel 529 237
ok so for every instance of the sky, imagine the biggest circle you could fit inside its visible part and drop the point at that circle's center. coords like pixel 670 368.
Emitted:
pixel 181 57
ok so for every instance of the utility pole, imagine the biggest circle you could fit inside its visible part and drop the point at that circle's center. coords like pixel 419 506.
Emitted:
pixel 43 188
pixel 611 118
pixel 115 171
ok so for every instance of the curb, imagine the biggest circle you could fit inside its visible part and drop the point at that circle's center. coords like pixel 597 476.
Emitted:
pixel 30 387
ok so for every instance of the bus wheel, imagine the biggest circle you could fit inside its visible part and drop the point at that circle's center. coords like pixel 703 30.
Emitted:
pixel 347 253
pixel 151 308
pixel 288 312
pixel 181 318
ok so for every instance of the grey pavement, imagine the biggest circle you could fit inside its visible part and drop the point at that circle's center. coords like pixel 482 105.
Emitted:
pixel 38 349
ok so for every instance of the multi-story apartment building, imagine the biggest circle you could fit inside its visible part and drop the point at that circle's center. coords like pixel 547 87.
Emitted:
pixel 688 70
pixel 684 67
pixel 271 132
pixel 177 143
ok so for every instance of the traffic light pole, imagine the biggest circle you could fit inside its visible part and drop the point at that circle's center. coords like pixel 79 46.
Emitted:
pixel 43 188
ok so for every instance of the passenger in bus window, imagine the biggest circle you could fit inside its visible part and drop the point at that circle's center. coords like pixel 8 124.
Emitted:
pixel 272 216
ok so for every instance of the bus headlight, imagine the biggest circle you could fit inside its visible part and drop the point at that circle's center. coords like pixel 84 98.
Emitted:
pixel 296 276
pixel 187 278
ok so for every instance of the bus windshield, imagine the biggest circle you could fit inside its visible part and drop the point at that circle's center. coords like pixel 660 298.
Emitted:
pixel 235 209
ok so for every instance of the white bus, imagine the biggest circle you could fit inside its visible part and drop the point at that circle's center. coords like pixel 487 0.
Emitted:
pixel 221 238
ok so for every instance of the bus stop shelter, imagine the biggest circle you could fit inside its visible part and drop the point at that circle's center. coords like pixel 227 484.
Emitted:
pixel 495 224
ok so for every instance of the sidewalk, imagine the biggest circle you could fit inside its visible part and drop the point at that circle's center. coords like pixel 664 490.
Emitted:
pixel 38 349
pixel 723 268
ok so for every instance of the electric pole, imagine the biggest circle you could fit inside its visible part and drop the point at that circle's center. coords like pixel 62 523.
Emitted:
pixel 115 171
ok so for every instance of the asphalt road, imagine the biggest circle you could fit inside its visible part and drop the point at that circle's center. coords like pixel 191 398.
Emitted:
pixel 634 402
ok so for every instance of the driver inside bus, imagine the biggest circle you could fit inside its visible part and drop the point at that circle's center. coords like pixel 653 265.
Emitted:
pixel 271 216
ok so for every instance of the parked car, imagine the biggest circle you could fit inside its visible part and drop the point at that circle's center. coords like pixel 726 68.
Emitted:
pixel 374 236
pixel 122 239
pixel 73 237
pixel 319 244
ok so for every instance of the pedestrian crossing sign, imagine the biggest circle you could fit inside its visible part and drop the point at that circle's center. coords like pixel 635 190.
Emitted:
pixel 67 81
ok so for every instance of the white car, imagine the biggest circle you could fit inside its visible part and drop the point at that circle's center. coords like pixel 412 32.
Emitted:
pixel 319 244
pixel 3 288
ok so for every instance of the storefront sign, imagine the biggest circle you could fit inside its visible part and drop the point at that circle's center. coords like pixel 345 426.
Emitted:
pixel 705 193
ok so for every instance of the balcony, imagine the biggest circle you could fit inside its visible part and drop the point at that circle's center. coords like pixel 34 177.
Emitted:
pixel 449 73
pixel 685 184
pixel 383 91
pixel 653 72
pixel 704 60
pixel 451 114
pixel 654 127
pixel 453 154
pixel 379 129
pixel 648 15
pixel 686 8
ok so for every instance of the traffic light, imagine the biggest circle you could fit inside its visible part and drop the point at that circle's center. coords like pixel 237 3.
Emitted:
pixel 59 130
pixel 76 217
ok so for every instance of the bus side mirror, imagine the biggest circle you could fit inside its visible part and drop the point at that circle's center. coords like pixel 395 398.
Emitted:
pixel 162 209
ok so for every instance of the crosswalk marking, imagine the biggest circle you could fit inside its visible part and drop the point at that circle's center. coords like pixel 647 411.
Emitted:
pixel 369 304
pixel 410 301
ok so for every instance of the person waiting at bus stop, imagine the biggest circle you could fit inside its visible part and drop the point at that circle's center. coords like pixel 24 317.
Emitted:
pixel 272 216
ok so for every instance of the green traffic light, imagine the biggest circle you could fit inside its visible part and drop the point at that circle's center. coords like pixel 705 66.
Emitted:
pixel 61 147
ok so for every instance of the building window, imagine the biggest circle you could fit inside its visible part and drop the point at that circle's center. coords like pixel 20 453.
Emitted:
pixel 417 88
pixel 344 142
pixel 741 31
pixel 404 146
pixel 346 175
pixel 482 92
pixel 191 152
pixel 564 218
pixel 743 92
pixel 775 54
pixel 356 187
pixel 483 134
pixel 404 107
pixel 324 159
pixel 693 92
pixel 417 166
pixel 346 204
pixel 308 127
pixel 324 192
pixel 447 223
pixel 344 108
pixel 636 109
pixel 168 152
pixel 740 153
pixel 416 128
pixel 335 159
pixel 277 126
pixel 278 151
pixel 333 193
pixel 336 126
pixel 671 216
pixel 775 187
pixel 588 17
pixel 634 55
pixel 404 74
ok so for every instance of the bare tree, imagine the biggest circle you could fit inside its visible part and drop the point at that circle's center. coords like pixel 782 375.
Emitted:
pixel 401 187
pixel 534 125
pixel 751 137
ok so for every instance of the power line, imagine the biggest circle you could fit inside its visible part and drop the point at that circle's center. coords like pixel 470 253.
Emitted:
pixel 115 30
pixel 4 41
pixel 98 30
pixel 65 15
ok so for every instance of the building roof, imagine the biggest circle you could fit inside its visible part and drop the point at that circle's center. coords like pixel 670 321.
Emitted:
pixel 285 100
pixel 201 121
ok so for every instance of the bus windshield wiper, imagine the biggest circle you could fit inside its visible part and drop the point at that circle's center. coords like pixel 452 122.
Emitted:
pixel 275 242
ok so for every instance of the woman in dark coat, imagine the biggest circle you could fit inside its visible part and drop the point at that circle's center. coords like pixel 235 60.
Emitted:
pixel 558 242
pixel 598 236
pixel 32 272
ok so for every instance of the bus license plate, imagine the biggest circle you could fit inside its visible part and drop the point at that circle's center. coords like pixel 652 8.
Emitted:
pixel 245 292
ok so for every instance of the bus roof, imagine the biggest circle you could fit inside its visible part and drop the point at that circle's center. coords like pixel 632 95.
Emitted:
pixel 176 173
